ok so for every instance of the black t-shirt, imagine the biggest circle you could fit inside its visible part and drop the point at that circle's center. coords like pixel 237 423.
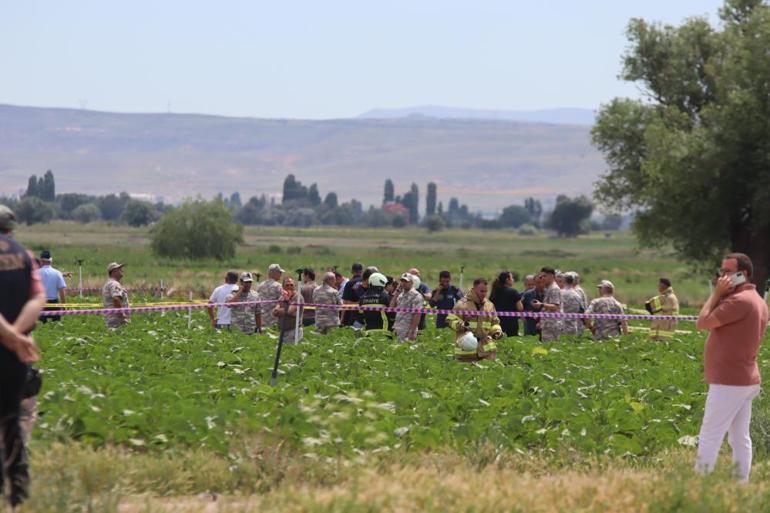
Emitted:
pixel 445 300
pixel 530 323
pixel 505 300
pixel 373 296
pixel 15 284
pixel 352 292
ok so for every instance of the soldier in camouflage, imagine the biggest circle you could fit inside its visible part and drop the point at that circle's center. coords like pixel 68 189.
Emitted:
pixel 606 304
pixel 244 317
pixel 326 318
pixel 550 329
pixel 407 296
pixel 115 295
pixel 571 303
pixel 270 290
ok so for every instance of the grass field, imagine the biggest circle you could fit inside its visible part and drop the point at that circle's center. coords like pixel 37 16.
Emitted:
pixel 162 417
pixel 634 270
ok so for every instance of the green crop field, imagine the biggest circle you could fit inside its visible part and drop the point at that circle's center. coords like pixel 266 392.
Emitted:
pixel 159 416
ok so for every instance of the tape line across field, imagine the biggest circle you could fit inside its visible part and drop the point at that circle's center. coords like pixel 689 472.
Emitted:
pixel 432 311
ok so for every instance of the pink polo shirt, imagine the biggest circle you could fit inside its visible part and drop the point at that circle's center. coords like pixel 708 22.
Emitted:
pixel 730 357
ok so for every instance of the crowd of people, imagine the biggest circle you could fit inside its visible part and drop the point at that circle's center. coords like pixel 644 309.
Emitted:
pixel 550 290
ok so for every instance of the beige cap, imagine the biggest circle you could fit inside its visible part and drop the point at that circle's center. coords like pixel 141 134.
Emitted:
pixel 246 277
pixel 113 266
pixel 606 284
pixel 7 219
pixel 275 267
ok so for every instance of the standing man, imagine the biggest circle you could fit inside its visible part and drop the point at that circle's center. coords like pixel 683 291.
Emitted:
pixel 535 292
pixel 444 297
pixel 270 290
pixel 549 328
pixel 665 304
pixel 53 283
pixel 114 295
pixel 326 294
pixel 308 286
pixel 406 296
pixel 736 316
pixel 223 318
pixel 423 289
pixel 245 317
pixel 21 301
pixel 606 304
pixel 572 303
pixel 349 294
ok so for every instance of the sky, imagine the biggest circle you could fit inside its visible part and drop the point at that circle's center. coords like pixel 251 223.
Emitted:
pixel 320 59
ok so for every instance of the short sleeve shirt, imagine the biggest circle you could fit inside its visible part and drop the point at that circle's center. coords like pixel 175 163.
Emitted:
pixel 410 299
pixel 53 280
pixel 218 297
pixel 114 290
pixel 606 328
pixel 269 290
pixel 243 317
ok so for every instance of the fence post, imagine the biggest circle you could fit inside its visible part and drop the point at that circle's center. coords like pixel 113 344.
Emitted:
pixel 189 313
pixel 274 375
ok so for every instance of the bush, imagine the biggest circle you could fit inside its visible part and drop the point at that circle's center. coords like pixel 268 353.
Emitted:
pixel 274 249
pixel 32 210
pixel 527 229
pixel 139 213
pixel 434 223
pixel 197 229
pixel 87 213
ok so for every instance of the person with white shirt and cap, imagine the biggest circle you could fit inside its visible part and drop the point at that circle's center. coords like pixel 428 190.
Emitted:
pixel 53 283
pixel 222 319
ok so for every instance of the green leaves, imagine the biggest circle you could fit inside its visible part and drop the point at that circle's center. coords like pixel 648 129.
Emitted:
pixel 155 386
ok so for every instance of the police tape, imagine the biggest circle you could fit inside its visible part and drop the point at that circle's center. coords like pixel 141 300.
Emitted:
pixel 380 308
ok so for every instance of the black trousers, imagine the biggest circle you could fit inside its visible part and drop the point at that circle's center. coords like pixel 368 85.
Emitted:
pixel 13 376
pixel 52 318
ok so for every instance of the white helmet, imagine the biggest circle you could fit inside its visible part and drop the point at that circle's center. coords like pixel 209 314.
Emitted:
pixel 468 342
pixel 377 280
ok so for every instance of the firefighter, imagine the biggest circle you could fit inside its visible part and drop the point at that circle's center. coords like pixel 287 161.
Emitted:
pixel 664 304
pixel 486 329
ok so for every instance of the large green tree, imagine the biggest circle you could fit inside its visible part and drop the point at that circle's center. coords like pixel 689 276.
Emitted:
pixel 693 157
pixel 570 216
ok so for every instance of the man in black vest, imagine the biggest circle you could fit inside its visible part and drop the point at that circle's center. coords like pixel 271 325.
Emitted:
pixel 20 305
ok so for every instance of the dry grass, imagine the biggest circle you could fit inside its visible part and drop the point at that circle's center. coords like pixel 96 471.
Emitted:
pixel 71 478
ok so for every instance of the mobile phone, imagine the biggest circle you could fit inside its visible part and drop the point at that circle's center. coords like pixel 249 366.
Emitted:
pixel 738 278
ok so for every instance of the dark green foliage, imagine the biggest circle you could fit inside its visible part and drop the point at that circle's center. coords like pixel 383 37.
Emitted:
pixel 389 194
pixel 139 213
pixel 86 213
pixel 694 159
pixel 430 200
pixel 33 210
pixel 514 216
pixel 569 216
pixel 196 230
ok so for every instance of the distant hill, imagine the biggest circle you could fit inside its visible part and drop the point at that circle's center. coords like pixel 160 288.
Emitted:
pixel 562 116
pixel 488 164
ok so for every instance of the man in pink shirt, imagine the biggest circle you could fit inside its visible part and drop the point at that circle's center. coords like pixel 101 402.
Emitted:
pixel 736 316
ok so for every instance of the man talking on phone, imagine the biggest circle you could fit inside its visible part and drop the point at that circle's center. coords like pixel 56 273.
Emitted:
pixel 736 316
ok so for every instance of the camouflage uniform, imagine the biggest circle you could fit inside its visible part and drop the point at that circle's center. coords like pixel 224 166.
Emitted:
pixel 606 328
pixel 243 317
pixel 572 303
pixel 551 328
pixel 269 290
pixel 409 299
pixel 113 289
pixel 326 319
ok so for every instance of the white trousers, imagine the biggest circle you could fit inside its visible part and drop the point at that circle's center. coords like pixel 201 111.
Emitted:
pixel 728 410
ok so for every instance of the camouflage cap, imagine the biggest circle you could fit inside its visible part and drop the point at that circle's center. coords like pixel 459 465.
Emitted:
pixel 606 284
pixel 7 219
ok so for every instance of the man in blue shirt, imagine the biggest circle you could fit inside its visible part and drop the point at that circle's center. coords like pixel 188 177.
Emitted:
pixel 53 283
pixel 444 297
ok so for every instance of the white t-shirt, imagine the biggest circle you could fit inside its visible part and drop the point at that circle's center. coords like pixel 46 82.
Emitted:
pixel 218 297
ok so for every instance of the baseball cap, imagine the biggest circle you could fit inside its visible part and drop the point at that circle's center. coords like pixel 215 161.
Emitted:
pixel 606 284
pixel 275 267
pixel 113 266
pixel 246 277
pixel 407 277
pixel 7 219
pixel 45 255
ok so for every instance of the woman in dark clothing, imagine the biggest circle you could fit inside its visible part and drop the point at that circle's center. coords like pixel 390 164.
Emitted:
pixel 506 299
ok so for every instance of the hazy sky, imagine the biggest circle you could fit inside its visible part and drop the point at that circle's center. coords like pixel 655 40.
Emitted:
pixel 320 59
